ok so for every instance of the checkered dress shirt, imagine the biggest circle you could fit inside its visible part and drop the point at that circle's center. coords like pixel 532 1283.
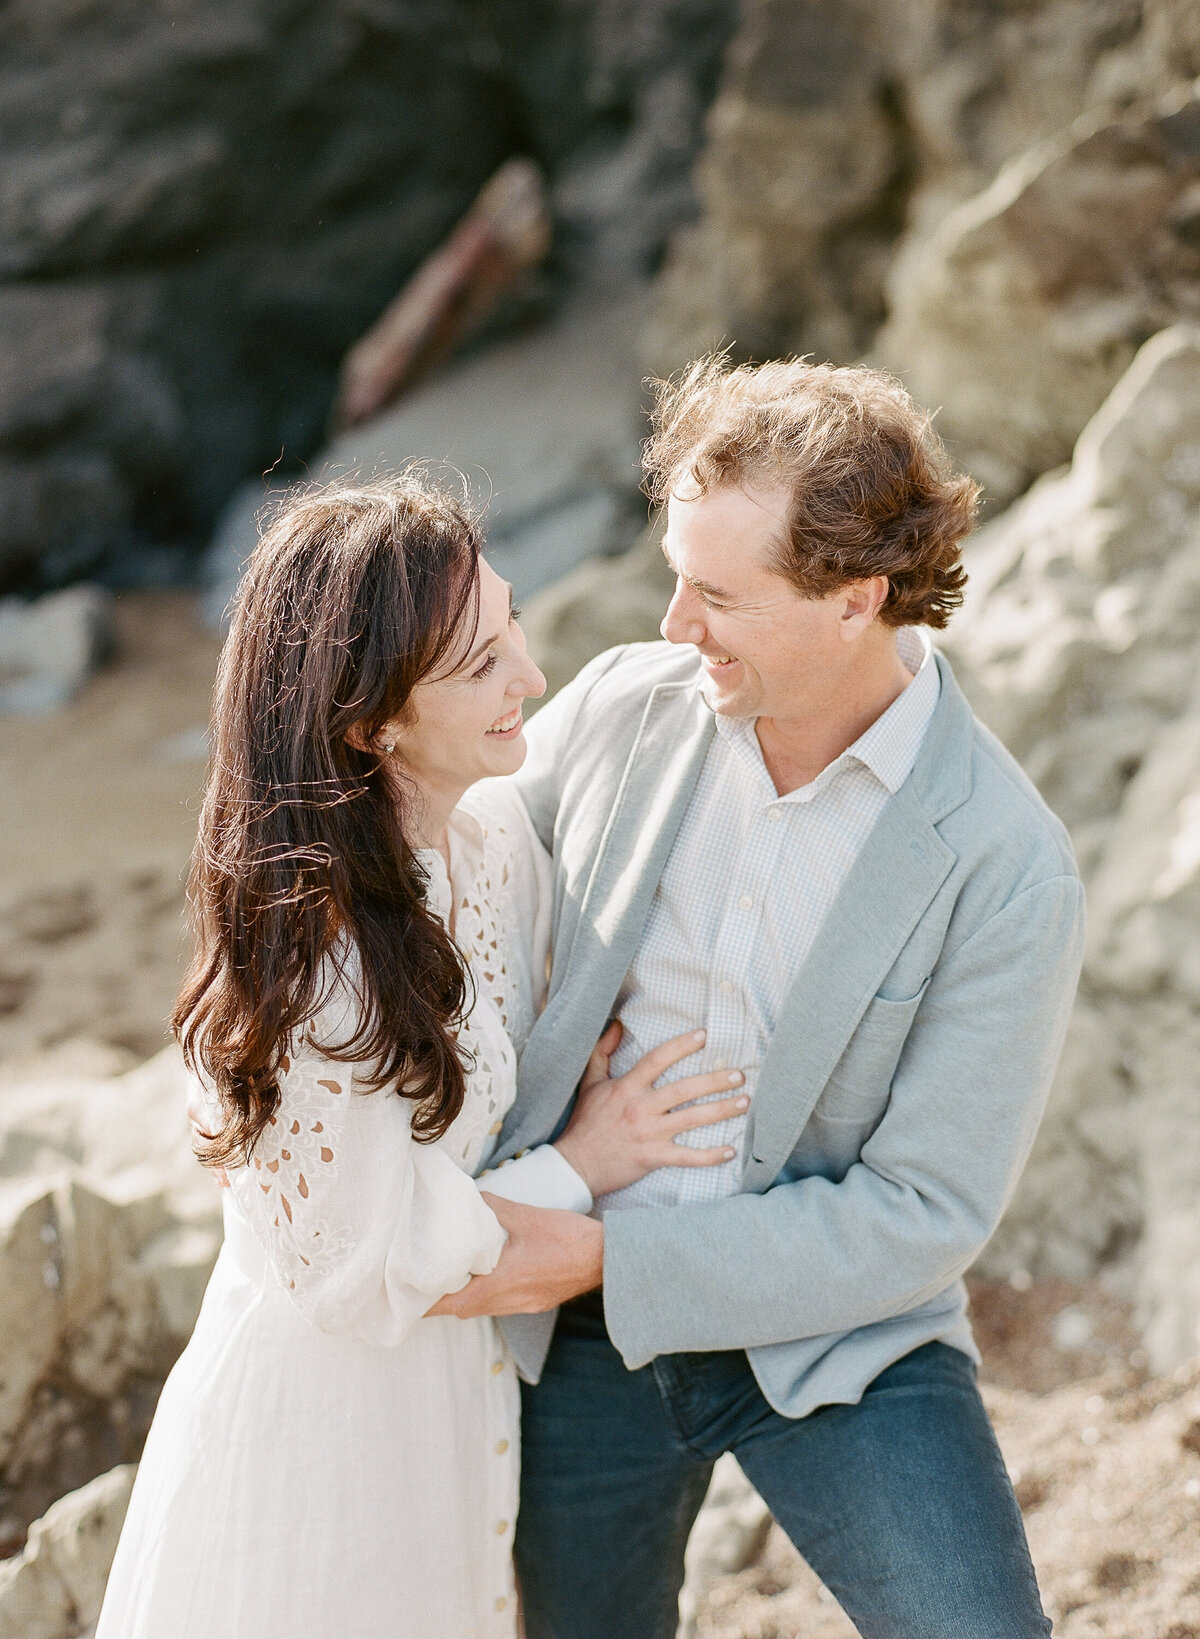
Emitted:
pixel 749 882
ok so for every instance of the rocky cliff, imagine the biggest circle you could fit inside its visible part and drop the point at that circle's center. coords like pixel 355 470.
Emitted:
pixel 205 203
pixel 939 183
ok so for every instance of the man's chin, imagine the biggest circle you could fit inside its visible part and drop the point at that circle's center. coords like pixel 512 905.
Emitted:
pixel 727 700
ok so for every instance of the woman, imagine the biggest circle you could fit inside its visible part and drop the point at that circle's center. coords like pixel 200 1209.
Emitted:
pixel 329 1461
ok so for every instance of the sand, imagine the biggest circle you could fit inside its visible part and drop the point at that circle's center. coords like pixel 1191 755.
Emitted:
pixel 97 816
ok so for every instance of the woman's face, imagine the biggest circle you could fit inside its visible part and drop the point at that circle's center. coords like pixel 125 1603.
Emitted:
pixel 465 724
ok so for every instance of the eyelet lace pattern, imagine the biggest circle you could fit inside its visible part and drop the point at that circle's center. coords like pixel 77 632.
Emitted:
pixel 486 1034
pixel 300 1143
pixel 296 1146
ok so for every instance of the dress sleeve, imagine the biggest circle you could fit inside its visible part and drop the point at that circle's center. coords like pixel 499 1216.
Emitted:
pixel 363 1226
pixel 541 1176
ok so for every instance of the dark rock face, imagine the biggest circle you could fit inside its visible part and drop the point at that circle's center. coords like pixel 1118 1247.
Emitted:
pixel 205 201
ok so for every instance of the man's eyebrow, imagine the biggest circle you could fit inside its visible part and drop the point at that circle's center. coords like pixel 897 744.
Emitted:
pixel 480 648
pixel 702 586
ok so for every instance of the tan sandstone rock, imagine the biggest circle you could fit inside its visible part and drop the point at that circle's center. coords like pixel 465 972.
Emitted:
pixel 794 179
pixel 1025 305
pixel 53 1589
pixel 842 135
pixel 1080 644
pixel 603 602
pixel 108 1232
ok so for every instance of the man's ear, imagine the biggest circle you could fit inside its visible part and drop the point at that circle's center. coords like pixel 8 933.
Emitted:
pixel 863 601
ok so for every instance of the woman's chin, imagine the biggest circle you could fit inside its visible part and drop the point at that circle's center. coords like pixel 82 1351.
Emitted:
pixel 503 755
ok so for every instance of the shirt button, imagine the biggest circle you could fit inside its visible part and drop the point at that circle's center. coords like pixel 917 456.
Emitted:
pixel 497 1367
pixel 726 987
pixel 772 816
pixel 494 1129
pixel 501 1527
pixel 745 902
pixel 501 1447
pixel 501 1603
pixel 720 1064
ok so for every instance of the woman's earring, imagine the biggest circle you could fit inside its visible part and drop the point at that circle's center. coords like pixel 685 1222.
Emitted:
pixel 390 746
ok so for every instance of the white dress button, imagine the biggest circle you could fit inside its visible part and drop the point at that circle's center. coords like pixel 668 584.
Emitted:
pixel 745 902
pixel 773 816
pixel 726 987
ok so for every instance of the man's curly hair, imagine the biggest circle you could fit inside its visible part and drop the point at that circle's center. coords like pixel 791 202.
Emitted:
pixel 872 489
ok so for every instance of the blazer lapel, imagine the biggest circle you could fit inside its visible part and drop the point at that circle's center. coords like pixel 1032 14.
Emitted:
pixel 904 863
pixel 656 787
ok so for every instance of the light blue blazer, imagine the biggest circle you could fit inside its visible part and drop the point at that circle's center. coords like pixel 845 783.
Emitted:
pixel 900 1095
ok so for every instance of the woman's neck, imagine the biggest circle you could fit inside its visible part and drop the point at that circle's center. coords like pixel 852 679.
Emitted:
pixel 429 814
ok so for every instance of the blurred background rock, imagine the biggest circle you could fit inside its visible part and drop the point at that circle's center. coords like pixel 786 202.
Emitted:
pixel 205 207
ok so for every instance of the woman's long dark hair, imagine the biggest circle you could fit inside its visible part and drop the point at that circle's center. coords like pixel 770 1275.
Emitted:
pixel 353 596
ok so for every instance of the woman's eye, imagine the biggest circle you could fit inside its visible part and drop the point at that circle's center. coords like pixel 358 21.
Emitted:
pixel 487 668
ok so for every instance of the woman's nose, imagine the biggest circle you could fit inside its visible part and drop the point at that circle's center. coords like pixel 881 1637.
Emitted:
pixel 530 680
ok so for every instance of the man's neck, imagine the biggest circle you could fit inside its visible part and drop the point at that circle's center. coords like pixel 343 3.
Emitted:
pixel 796 748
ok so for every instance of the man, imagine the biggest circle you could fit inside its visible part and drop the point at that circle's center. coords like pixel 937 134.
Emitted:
pixel 784 826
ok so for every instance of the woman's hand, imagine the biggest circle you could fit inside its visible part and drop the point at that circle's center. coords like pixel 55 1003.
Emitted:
pixel 624 1128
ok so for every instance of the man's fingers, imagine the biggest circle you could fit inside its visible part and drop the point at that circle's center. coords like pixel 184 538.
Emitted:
pixel 704 1115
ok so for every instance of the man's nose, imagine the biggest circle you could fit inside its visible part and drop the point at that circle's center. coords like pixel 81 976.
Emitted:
pixel 681 624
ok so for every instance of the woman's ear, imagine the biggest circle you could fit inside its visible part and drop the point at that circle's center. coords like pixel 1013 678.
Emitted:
pixel 384 741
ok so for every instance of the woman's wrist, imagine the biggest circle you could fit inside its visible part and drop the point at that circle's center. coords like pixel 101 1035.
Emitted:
pixel 576 1156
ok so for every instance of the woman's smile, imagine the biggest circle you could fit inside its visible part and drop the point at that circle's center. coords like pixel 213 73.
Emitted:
pixel 509 727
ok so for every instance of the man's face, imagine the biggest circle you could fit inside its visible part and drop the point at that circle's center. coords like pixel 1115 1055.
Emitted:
pixel 767 651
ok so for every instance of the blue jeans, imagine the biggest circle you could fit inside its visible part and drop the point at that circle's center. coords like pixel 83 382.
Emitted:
pixel 901 1504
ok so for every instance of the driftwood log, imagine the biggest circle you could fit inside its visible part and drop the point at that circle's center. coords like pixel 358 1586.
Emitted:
pixel 505 234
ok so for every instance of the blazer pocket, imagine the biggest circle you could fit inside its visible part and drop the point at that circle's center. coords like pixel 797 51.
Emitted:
pixel 862 1078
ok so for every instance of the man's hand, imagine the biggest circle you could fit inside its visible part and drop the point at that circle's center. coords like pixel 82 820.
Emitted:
pixel 548 1258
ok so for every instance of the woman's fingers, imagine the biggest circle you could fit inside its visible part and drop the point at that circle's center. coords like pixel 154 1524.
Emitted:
pixel 659 1059
pixel 610 1038
pixel 703 1115
pixel 597 1064
pixel 692 1087
pixel 682 1155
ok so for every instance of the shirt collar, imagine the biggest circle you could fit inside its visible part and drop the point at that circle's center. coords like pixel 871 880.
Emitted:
pixel 889 747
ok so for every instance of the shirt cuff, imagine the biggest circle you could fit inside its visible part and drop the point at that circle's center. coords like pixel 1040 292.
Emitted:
pixel 540 1177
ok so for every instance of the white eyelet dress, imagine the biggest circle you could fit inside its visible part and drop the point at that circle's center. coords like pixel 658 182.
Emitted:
pixel 325 1463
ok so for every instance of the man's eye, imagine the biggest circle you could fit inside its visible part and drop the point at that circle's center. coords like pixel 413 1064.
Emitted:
pixel 487 668
pixel 514 613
